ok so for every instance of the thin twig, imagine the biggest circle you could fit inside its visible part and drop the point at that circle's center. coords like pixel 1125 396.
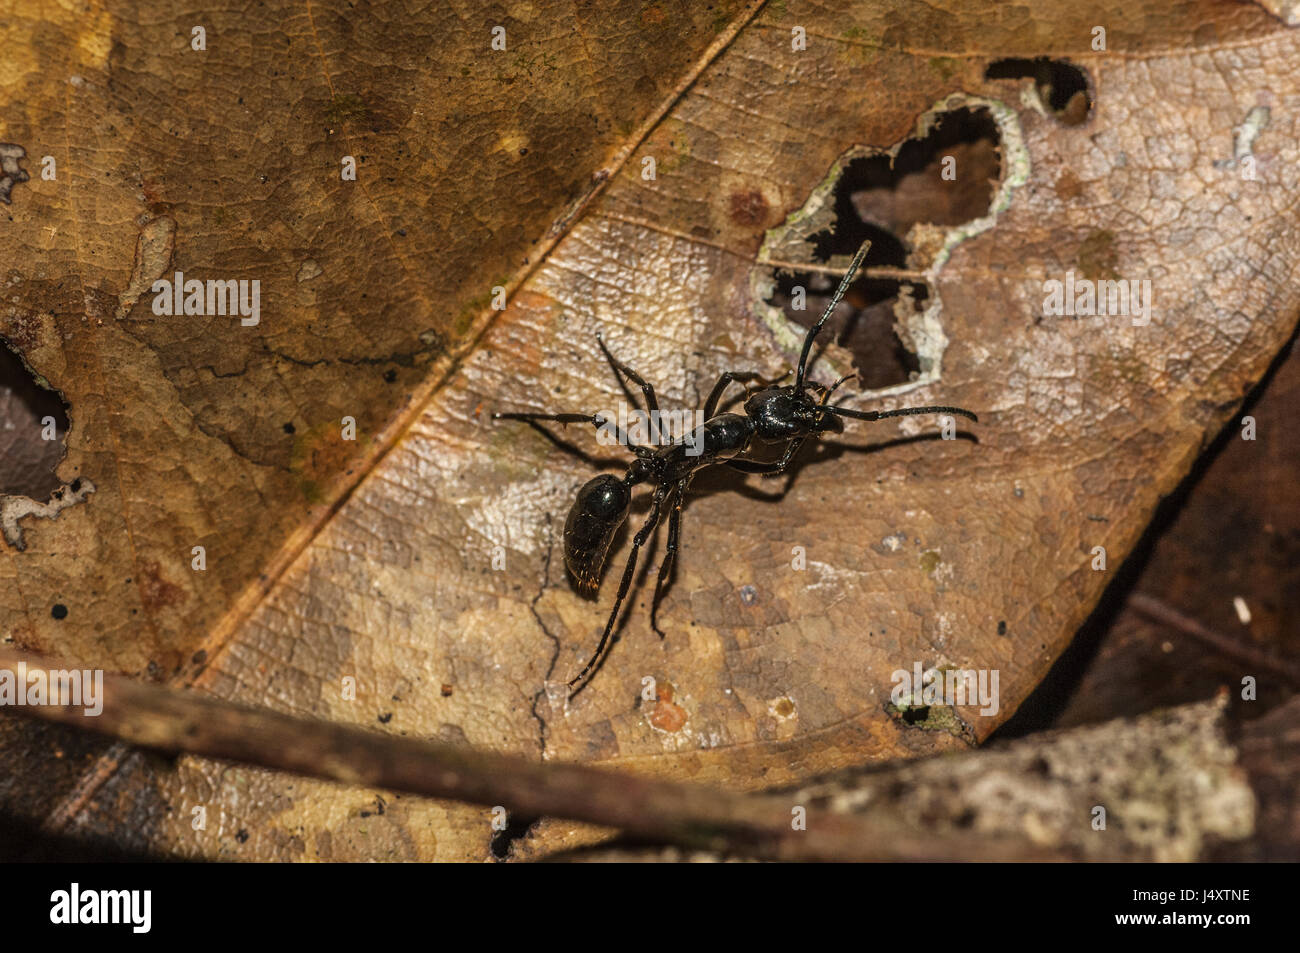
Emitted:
pixel 1159 611
pixel 686 815
pixel 837 271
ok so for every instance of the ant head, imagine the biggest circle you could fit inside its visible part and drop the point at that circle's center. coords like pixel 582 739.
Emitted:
pixel 783 413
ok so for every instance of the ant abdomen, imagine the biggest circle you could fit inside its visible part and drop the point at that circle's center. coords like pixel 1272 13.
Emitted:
pixel 596 515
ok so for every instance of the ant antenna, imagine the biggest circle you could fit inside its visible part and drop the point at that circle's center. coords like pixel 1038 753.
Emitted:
pixel 839 293
pixel 903 412
pixel 836 385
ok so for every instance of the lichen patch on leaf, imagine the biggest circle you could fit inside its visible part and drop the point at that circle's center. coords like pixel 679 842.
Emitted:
pixel 11 173
pixel 15 508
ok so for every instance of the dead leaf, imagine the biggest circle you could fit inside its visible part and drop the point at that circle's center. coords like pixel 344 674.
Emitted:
pixel 225 163
pixel 968 553
pixel 1221 576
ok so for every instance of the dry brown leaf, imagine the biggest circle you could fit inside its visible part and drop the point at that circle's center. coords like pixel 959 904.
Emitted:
pixel 1215 597
pixel 971 554
pixel 226 163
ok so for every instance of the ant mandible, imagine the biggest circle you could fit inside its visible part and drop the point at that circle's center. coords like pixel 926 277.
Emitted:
pixel 774 415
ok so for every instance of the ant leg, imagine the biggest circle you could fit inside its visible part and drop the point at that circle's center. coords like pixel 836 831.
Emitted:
pixel 670 552
pixel 767 469
pixel 652 520
pixel 739 377
pixel 651 402
pixel 596 420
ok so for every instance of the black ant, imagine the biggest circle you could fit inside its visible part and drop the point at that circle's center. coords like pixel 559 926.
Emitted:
pixel 774 415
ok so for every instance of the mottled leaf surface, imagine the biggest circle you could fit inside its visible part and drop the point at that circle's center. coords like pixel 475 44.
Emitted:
pixel 971 553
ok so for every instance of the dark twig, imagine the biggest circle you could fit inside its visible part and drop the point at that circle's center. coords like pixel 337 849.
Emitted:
pixel 1159 611
pixel 666 812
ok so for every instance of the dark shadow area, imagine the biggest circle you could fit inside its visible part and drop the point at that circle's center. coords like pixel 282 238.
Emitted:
pixel 549 430
pixel 24 842
pixel 881 197
pixel 27 460
pixel 1061 85
pixel 516 828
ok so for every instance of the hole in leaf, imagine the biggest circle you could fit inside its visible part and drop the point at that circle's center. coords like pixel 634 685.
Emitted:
pixel 890 194
pixel 946 178
pixel 1062 86
pixel 915 716
pixel 515 829
pixel 27 412
pixel 864 322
